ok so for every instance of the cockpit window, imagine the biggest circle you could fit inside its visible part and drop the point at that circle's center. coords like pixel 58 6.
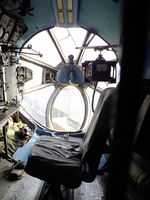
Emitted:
pixel 35 103
pixel 90 54
pixel 57 106
pixel 56 44
pixel 67 110
pixel 42 43
pixel 73 37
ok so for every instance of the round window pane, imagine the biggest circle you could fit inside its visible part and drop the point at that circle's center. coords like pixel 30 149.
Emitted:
pixel 68 110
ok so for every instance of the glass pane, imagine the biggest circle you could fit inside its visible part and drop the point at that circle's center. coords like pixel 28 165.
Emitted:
pixel 68 110
pixel 69 39
pixel 42 43
pixel 91 54
pixel 35 103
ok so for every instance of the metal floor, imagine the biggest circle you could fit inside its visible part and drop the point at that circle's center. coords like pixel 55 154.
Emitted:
pixel 90 191
pixel 24 189
pixel 28 187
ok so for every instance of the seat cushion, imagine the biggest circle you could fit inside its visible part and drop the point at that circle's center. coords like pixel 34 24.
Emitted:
pixel 56 160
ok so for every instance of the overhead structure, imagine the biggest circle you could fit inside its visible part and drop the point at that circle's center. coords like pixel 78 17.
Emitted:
pixel 66 12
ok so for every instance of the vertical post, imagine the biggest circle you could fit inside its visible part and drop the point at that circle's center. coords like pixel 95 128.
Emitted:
pixel 135 28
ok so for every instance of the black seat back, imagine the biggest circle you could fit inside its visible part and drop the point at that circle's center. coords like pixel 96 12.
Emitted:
pixel 94 142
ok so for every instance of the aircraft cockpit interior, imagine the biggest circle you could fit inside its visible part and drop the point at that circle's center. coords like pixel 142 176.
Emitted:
pixel 74 100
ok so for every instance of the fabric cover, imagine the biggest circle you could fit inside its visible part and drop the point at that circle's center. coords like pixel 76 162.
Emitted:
pixel 53 159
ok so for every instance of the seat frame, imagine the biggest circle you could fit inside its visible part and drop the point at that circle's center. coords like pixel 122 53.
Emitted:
pixel 89 152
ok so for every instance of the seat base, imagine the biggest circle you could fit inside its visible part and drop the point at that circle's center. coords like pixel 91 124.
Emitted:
pixel 51 192
pixel 56 160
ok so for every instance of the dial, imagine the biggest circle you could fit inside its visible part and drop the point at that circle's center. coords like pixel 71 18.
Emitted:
pixel 5 37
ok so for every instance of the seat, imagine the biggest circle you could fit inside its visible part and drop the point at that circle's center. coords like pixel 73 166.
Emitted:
pixel 68 162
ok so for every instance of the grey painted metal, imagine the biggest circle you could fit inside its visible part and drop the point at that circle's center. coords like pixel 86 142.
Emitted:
pixel 25 189
pixel 90 191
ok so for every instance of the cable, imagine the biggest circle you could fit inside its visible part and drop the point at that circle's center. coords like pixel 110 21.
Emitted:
pixel 93 96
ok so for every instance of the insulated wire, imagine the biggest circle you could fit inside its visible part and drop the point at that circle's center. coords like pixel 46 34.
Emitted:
pixel 93 96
